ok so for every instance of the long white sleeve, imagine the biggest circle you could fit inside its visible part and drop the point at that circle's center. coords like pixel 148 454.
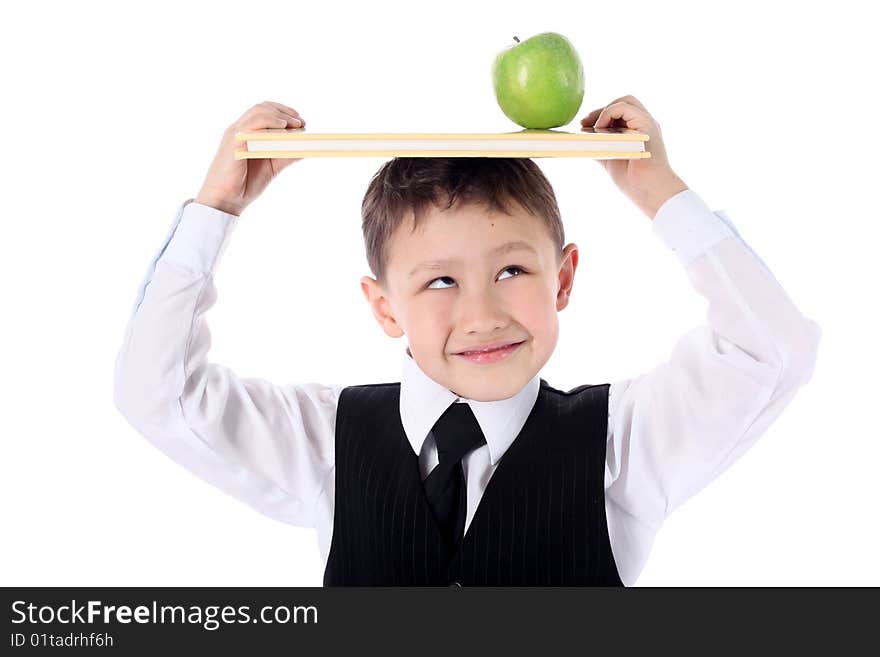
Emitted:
pixel 267 445
pixel 677 427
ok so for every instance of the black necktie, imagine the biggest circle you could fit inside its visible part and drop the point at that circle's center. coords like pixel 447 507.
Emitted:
pixel 456 433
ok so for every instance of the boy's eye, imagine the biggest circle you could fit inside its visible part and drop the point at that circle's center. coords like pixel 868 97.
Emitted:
pixel 447 278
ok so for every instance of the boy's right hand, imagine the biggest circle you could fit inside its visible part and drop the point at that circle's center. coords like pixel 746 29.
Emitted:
pixel 231 185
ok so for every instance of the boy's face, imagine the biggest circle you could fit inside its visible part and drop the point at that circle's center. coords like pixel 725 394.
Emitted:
pixel 475 298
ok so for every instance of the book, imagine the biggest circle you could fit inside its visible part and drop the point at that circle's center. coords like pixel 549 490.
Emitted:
pixel 600 143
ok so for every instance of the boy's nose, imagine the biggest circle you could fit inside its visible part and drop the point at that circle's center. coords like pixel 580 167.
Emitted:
pixel 481 314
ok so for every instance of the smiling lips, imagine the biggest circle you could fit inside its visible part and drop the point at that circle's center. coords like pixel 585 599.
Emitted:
pixel 492 346
pixel 491 353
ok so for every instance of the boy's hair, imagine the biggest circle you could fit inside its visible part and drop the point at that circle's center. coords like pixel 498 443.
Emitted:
pixel 407 184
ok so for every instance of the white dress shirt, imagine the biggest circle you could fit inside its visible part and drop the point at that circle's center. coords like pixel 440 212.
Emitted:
pixel 671 430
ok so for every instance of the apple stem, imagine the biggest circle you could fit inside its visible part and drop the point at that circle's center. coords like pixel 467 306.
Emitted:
pixel 516 39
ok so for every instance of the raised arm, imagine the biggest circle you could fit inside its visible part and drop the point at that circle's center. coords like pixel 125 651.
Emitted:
pixel 677 427
pixel 270 446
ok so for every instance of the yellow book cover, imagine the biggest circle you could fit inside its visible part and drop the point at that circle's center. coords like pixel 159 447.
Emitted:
pixel 602 143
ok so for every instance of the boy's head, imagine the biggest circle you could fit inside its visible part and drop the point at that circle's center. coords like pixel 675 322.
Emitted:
pixel 434 229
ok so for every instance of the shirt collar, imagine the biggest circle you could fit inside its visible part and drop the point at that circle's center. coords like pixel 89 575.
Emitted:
pixel 423 401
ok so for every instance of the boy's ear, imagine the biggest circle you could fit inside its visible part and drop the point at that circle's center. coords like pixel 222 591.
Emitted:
pixel 381 306
pixel 566 275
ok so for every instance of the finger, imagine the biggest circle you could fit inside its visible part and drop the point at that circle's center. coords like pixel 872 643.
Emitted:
pixel 263 121
pixel 280 107
pixel 590 118
pixel 284 108
pixel 632 116
pixel 260 110
pixel 290 120
pixel 296 120
pixel 293 121
pixel 271 109
pixel 632 100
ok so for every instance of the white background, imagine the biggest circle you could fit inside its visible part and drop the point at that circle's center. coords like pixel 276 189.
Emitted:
pixel 112 114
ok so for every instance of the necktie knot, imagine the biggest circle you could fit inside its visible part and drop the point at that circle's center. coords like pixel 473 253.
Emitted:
pixel 456 433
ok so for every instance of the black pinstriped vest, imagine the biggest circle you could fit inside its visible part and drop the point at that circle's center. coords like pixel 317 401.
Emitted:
pixel 540 522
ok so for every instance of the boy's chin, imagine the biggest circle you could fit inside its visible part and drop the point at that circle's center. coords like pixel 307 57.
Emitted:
pixel 487 390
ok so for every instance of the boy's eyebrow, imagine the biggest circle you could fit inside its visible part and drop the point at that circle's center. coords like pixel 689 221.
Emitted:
pixel 517 245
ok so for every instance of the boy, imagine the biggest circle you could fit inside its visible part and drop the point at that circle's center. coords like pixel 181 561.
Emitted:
pixel 472 469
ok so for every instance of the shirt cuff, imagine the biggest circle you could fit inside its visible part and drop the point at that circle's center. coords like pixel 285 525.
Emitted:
pixel 687 226
pixel 200 237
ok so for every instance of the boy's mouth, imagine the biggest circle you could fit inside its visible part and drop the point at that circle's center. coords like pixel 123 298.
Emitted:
pixel 493 353
pixel 492 346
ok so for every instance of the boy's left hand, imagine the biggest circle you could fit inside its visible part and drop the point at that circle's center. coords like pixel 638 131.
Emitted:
pixel 647 182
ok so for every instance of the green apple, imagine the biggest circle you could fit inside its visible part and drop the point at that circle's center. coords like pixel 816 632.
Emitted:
pixel 539 82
